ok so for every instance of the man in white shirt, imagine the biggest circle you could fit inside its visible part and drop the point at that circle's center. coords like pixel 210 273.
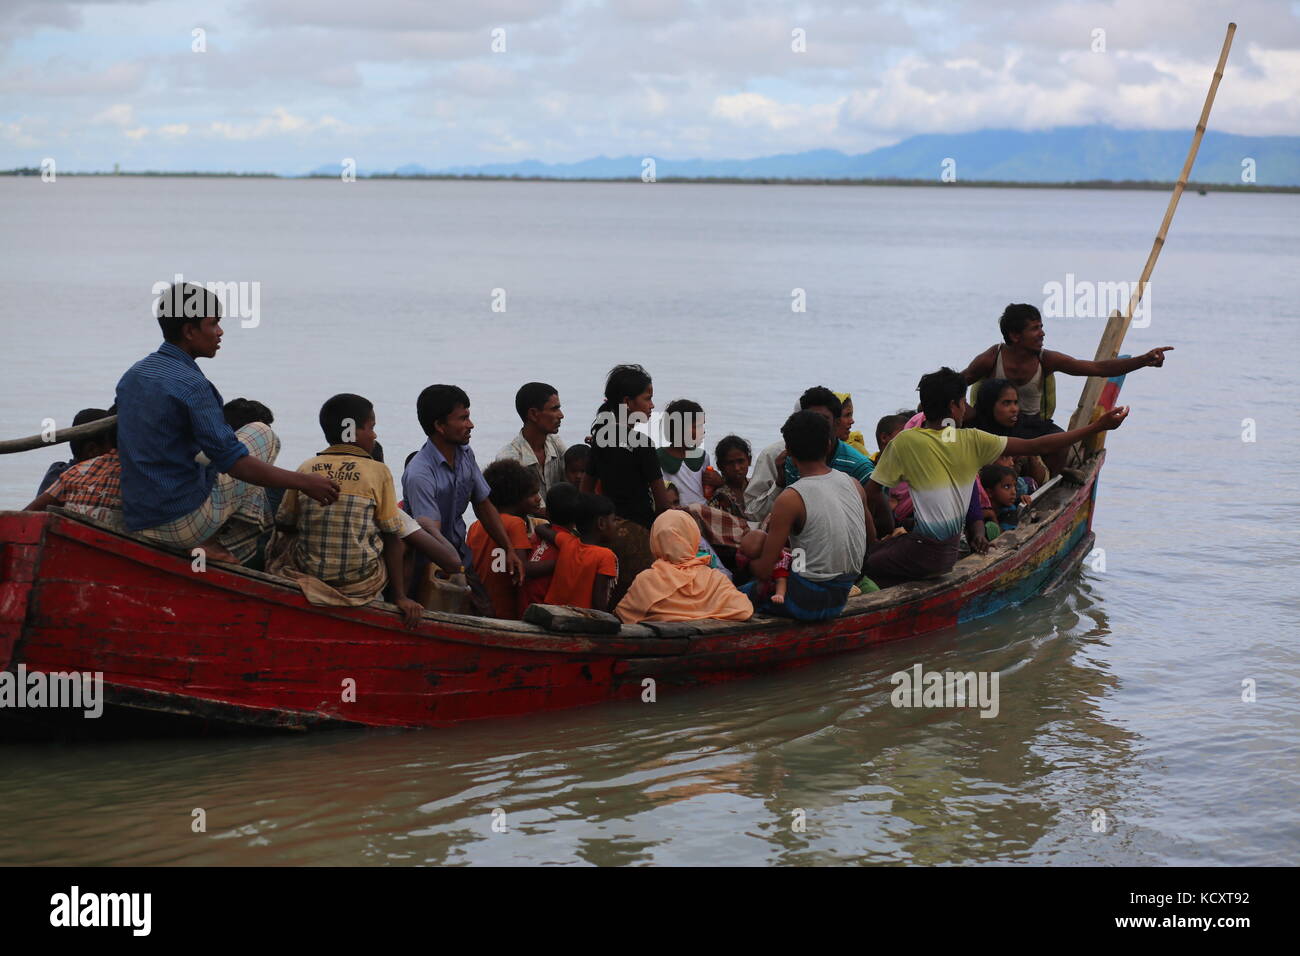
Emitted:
pixel 536 447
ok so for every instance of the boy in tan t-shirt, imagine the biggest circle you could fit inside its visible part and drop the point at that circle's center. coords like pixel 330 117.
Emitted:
pixel 347 552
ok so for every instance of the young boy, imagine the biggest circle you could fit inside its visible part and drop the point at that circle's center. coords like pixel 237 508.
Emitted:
pixel 1025 487
pixel 887 430
pixel 346 553
pixel 515 494
pixel 586 570
pixel 1000 515
pixel 575 464
pixel 83 449
pixel 91 486
pixel 733 457
pixel 562 507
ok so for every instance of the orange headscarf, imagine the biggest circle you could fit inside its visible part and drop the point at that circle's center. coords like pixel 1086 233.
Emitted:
pixel 680 586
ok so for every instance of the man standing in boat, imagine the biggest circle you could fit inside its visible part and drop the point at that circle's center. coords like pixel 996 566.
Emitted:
pixel 1022 360
pixel 167 413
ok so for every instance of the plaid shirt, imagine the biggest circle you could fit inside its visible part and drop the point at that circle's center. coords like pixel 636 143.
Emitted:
pixel 91 487
pixel 340 543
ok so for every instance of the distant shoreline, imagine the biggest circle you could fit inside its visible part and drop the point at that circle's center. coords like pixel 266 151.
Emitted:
pixel 1128 184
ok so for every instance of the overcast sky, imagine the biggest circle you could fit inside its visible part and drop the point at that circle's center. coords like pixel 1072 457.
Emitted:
pixel 288 85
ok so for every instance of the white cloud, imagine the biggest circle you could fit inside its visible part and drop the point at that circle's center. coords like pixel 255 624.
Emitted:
pixel 285 83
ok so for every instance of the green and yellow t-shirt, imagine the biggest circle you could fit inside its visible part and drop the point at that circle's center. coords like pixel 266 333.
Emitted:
pixel 340 543
pixel 940 474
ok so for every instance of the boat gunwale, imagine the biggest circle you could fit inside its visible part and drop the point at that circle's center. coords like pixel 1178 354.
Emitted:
pixel 631 640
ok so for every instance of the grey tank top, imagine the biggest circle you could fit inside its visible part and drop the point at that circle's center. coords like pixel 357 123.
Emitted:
pixel 834 535
pixel 1031 393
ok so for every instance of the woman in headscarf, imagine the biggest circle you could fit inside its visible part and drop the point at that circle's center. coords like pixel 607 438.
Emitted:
pixel 680 585
pixel 844 427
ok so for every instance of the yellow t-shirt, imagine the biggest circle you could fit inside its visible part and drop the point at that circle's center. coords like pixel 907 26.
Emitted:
pixel 940 474
pixel 340 543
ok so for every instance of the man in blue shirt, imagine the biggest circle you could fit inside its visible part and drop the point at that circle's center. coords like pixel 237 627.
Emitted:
pixel 168 412
pixel 444 477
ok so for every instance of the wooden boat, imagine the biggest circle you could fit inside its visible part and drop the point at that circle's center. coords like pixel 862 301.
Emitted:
pixel 233 646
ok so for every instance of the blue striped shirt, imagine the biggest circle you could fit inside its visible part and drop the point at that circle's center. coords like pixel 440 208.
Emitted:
pixel 167 412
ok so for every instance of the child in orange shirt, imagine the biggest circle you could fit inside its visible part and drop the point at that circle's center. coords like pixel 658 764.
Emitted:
pixel 562 508
pixel 514 491
pixel 586 571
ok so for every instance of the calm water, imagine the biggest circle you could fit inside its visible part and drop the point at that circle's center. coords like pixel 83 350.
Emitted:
pixel 1122 695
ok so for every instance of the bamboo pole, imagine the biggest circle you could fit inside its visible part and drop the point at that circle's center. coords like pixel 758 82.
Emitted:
pixel 1112 337
pixel 63 434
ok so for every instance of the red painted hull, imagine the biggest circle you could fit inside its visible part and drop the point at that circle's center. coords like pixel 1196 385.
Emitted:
pixel 234 646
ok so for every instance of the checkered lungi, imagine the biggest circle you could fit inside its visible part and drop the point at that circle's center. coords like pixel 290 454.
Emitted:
pixel 236 512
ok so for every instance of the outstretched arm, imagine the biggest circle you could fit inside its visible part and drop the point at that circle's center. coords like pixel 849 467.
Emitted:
pixel 1047 444
pixel 257 472
pixel 1060 362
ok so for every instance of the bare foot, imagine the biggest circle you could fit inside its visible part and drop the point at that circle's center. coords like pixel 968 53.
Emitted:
pixel 778 598
pixel 213 551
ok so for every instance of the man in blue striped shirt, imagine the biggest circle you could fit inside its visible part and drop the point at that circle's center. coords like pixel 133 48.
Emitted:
pixel 168 412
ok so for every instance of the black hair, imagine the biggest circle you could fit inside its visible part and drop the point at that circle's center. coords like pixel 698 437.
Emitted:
pixel 1015 317
pixel 807 436
pixel 409 457
pixel 532 395
pixel 729 444
pixel 437 402
pixel 890 424
pixel 991 475
pixel 577 454
pixel 939 390
pixel 623 381
pixel 182 303
pixel 591 508
pixel 377 452
pixel 85 417
pixel 239 412
pixel 510 482
pixel 338 411
pixel 562 502
pixel 676 415
pixel 819 396
pixel 986 399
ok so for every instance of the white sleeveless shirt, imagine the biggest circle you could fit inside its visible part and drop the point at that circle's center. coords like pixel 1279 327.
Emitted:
pixel 834 535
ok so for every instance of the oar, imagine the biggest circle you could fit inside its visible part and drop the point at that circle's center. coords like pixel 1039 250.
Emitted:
pixel 1112 338
pixel 63 434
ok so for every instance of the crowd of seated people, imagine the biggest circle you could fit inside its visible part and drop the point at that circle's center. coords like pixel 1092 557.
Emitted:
pixel 615 521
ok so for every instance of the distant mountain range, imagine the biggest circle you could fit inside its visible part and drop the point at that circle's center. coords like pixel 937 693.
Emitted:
pixel 1064 154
